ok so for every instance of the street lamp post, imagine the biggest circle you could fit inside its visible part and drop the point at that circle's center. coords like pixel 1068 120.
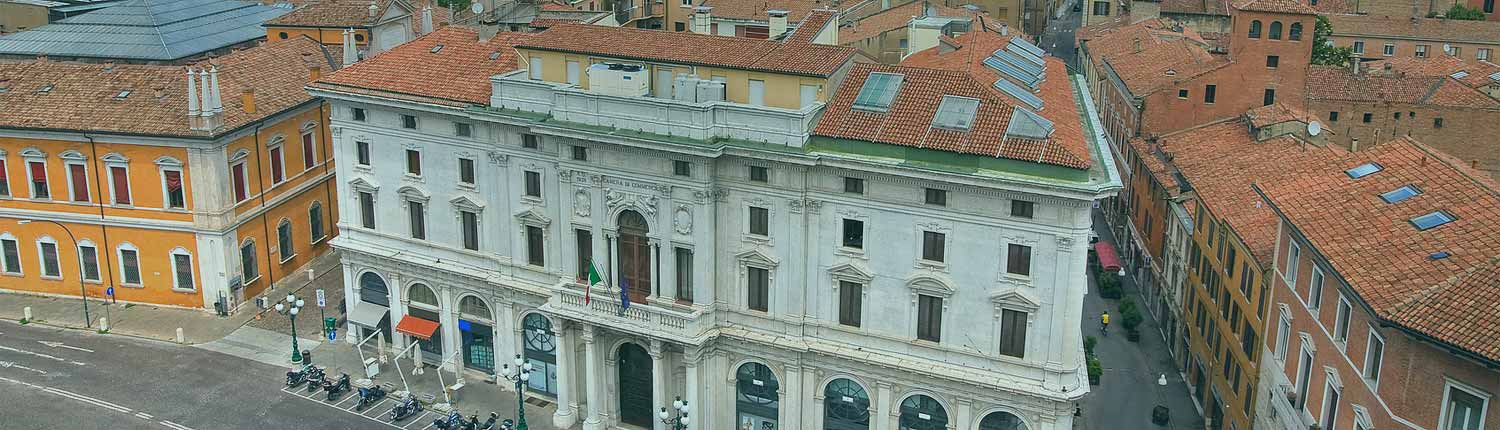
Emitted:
pixel 519 375
pixel 290 308
pixel 677 421
pixel 82 292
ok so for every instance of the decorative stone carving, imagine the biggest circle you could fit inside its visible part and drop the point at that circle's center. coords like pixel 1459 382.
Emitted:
pixel 498 159
pixel 337 131
pixel 646 204
pixel 795 205
pixel 1064 242
pixel 682 220
pixel 814 206
pixel 581 203
pixel 711 194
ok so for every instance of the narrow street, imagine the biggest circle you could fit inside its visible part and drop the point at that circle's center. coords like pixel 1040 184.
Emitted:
pixel 1058 39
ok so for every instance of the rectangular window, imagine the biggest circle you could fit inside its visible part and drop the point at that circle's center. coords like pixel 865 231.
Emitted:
pixel 1421 51
pixel 1268 98
pixel 580 153
pixel 4 180
pixel 1333 116
pixel 1367 118
pixel 237 177
pixel 78 182
pixel 1018 260
pixel 1209 92
pixel 413 162
pixel 534 69
pixel 932 246
pixel 534 184
pixel 88 256
pixel 937 197
pixel 760 221
pixel 408 121
pixel 850 303
pixel 51 268
pixel 759 174
pixel 684 274
pixel 182 264
pixel 1359 47
pixel 583 242
pixel 462 129
pixel 1272 61
pixel 759 294
pixel 529 141
pixel 466 171
pixel 1013 333
pixel 1437 123
pixel 358 114
pixel 574 71
pixel 1483 54
pixel 1101 8
pixel 38 171
pixel 534 247
pixel 854 185
pixel 1022 208
pixel 12 256
pixel 315 222
pixel 1293 258
pixel 284 242
pixel 1463 409
pixel 854 234
pixel 416 214
pixel 1315 289
pixel 130 267
pixel 470 224
pixel 1182 94
pixel 757 92
pixel 929 318
pixel 362 153
pixel 1388 50
pixel 172 179
pixel 309 151
pixel 1304 377
pixel 248 267
pixel 1330 406
pixel 682 168
pixel 1374 353
pixel 366 209
pixel 1341 321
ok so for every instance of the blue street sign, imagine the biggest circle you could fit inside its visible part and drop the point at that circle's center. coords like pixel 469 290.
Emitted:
pixel 332 334
pixel 109 291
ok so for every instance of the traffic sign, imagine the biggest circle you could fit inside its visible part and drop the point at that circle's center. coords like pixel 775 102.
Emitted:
pixel 109 291
pixel 332 334
pixel 321 301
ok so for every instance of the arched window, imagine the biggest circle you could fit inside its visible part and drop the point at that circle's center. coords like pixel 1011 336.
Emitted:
pixel 284 240
pixel 1295 33
pixel 846 406
pixel 1275 33
pixel 1001 421
pixel 372 289
pixel 541 351
pixel 472 307
pixel 249 265
pixel 1255 29
pixel 423 295
pixel 920 412
pixel 634 252
pixel 756 402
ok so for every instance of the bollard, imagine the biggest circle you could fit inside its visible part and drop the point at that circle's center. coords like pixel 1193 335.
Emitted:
pixel 27 312
pixel 311 276
pixel 103 324
pixel 180 337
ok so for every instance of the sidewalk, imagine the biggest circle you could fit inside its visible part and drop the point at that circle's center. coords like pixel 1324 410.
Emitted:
pixel 1128 389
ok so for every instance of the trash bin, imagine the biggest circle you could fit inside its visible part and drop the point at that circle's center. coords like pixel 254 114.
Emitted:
pixel 306 357
pixel 1160 415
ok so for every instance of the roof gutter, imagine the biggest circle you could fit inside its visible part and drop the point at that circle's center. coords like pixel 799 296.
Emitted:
pixel 688 63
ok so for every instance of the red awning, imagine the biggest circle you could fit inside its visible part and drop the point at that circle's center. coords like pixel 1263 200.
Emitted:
pixel 417 327
pixel 1109 260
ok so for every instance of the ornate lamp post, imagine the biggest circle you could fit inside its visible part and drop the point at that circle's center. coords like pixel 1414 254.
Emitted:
pixel 519 375
pixel 677 421
pixel 290 308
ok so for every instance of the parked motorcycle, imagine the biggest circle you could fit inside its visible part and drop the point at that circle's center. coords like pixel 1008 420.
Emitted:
pixel 315 379
pixel 405 408
pixel 297 377
pixel 454 421
pixel 490 423
pixel 368 396
pixel 337 388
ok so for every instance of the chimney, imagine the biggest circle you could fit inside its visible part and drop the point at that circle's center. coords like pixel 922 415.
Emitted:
pixel 208 101
pixel 192 95
pixel 247 99
pixel 1137 44
pixel 778 22
pixel 314 72
pixel 213 79
pixel 351 51
pixel 427 19
pixel 702 18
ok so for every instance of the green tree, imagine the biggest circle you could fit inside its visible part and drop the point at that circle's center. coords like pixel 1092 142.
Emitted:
pixel 1458 11
pixel 455 5
pixel 1324 52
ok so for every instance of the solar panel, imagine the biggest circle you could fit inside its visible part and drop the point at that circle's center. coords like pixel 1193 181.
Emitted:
pixel 1011 71
pixel 1018 93
pixel 1495 76
pixel 1027 46
pixel 956 113
pixel 1459 74
pixel 1033 58
pixel 1432 220
pixel 1363 170
pixel 1014 60
pixel 878 91
pixel 1400 194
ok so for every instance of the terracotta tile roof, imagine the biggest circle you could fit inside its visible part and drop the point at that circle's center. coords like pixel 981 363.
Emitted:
pixel 890 19
pixel 811 25
pixel 1165 55
pixel 690 48
pixel 1328 7
pixel 456 75
pixel 1201 155
pixel 1483 32
pixel 755 10
pixel 1388 262
pixel 332 13
pixel 1439 65
pixel 1276 6
pixel 1337 83
pixel 1155 162
pixel 1276 113
pixel 1196 7
pixel 83 96
pixel 556 6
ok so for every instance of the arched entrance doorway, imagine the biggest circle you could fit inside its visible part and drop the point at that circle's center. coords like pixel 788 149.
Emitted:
pixel 372 290
pixel 846 406
pixel 635 256
pixel 920 412
pixel 635 386
pixel 540 349
pixel 422 303
pixel 476 325
pixel 1001 421
pixel 757 401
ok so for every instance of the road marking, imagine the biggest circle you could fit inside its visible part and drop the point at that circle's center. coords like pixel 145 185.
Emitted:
pixel 302 392
pixel 347 397
pixel 7 364
pixel 38 354
pixel 60 345
pixel 74 396
pixel 143 415
pixel 175 426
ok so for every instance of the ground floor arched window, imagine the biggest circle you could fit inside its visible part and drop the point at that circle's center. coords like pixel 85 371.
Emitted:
pixel 920 412
pixel 846 406
pixel 756 401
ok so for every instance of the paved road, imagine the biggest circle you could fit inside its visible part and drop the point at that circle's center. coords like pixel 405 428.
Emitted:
pixel 66 379
pixel 1058 39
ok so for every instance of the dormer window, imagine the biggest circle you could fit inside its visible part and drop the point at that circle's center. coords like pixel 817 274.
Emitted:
pixel 956 113
pixel 878 91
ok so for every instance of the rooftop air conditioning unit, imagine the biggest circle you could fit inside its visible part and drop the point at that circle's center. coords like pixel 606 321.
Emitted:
pixel 614 79
pixel 685 88
pixel 710 91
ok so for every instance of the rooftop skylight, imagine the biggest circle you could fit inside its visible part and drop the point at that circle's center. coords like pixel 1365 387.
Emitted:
pixel 1025 45
pixel 1363 170
pixel 123 94
pixel 1018 93
pixel 1007 70
pixel 1400 194
pixel 1495 76
pixel 1459 74
pixel 45 89
pixel 1432 220
pixel 956 113
pixel 437 48
pixel 878 91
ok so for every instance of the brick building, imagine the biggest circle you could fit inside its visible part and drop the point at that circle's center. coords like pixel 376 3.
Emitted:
pixel 1381 36
pixel 1387 267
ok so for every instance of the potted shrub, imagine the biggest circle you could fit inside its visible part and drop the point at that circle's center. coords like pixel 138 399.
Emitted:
pixel 1109 285
pixel 1088 345
pixel 1095 370
pixel 1130 317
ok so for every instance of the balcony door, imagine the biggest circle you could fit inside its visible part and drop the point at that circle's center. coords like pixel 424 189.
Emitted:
pixel 635 256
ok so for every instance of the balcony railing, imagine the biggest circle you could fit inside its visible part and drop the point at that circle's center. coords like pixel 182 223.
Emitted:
pixel 604 308
pixel 703 121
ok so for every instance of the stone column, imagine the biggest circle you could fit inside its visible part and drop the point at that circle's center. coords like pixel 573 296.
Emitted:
pixel 883 403
pixel 397 311
pixel 658 381
pixel 350 300
pixel 614 260
pixel 813 415
pixel 655 251
pixel 564 417
pixel 791 409
pixel 691 358
pixel 595 381
pixel 964 416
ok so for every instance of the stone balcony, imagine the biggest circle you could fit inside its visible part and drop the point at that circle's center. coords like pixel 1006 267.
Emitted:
pixel 700 121
pixel 681 326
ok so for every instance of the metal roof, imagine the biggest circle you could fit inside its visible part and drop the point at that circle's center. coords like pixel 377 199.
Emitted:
pixel 152 30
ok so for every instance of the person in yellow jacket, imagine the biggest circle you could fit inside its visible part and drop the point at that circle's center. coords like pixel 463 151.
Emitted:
pixel 1104 322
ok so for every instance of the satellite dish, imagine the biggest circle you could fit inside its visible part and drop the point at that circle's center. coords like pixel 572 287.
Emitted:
pixel 1313 128
pixel 477 8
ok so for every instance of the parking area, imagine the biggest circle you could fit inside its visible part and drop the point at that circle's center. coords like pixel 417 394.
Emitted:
pixel 378 412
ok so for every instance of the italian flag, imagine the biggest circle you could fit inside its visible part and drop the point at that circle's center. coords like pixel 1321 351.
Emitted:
pixel 594 278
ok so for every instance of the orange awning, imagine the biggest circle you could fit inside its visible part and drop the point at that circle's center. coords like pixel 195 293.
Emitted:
pixel 418 327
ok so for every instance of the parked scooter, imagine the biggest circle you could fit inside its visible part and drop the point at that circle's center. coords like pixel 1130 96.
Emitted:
pixel 405 408
pixel 490 423
pixel 368 396
pixel 297 377
pixel 315 379
pixel 337 388
pixel 454 421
